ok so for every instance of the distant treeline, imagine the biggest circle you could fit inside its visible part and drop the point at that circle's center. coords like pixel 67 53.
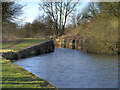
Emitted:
pixel 98 21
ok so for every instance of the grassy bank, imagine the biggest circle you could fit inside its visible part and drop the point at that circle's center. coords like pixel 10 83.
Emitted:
pixel 26 42
pixel 14 76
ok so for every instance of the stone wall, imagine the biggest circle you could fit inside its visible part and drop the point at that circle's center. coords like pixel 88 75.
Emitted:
pixel 85 45
pixel 36 50
pixel 70 43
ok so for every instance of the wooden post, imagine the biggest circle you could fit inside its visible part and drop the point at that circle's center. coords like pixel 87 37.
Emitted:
pixel 70 44
pixel 60 43
pixel 76 44
pixel 64 43
pixel 79 44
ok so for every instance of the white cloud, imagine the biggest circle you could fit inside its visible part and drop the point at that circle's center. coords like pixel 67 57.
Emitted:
pixel 29 20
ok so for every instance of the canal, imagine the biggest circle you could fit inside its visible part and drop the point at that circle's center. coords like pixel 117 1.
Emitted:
pixel 67 68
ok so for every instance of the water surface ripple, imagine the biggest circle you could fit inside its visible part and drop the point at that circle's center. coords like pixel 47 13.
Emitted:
pixel 67 68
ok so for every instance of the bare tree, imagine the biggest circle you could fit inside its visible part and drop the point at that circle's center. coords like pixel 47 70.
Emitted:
pixel 59 12
pixel 86 14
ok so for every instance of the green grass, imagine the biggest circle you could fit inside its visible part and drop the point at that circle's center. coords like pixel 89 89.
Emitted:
pixel 14 76
pixel 26 43
pixel 6 44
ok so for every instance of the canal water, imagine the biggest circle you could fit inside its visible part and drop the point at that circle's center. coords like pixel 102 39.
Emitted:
pixel 67 68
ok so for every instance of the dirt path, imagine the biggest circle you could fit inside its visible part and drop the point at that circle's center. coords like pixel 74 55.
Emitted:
pixel 17 42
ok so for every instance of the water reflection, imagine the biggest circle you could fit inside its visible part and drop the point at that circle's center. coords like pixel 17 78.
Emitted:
pixel 67 68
